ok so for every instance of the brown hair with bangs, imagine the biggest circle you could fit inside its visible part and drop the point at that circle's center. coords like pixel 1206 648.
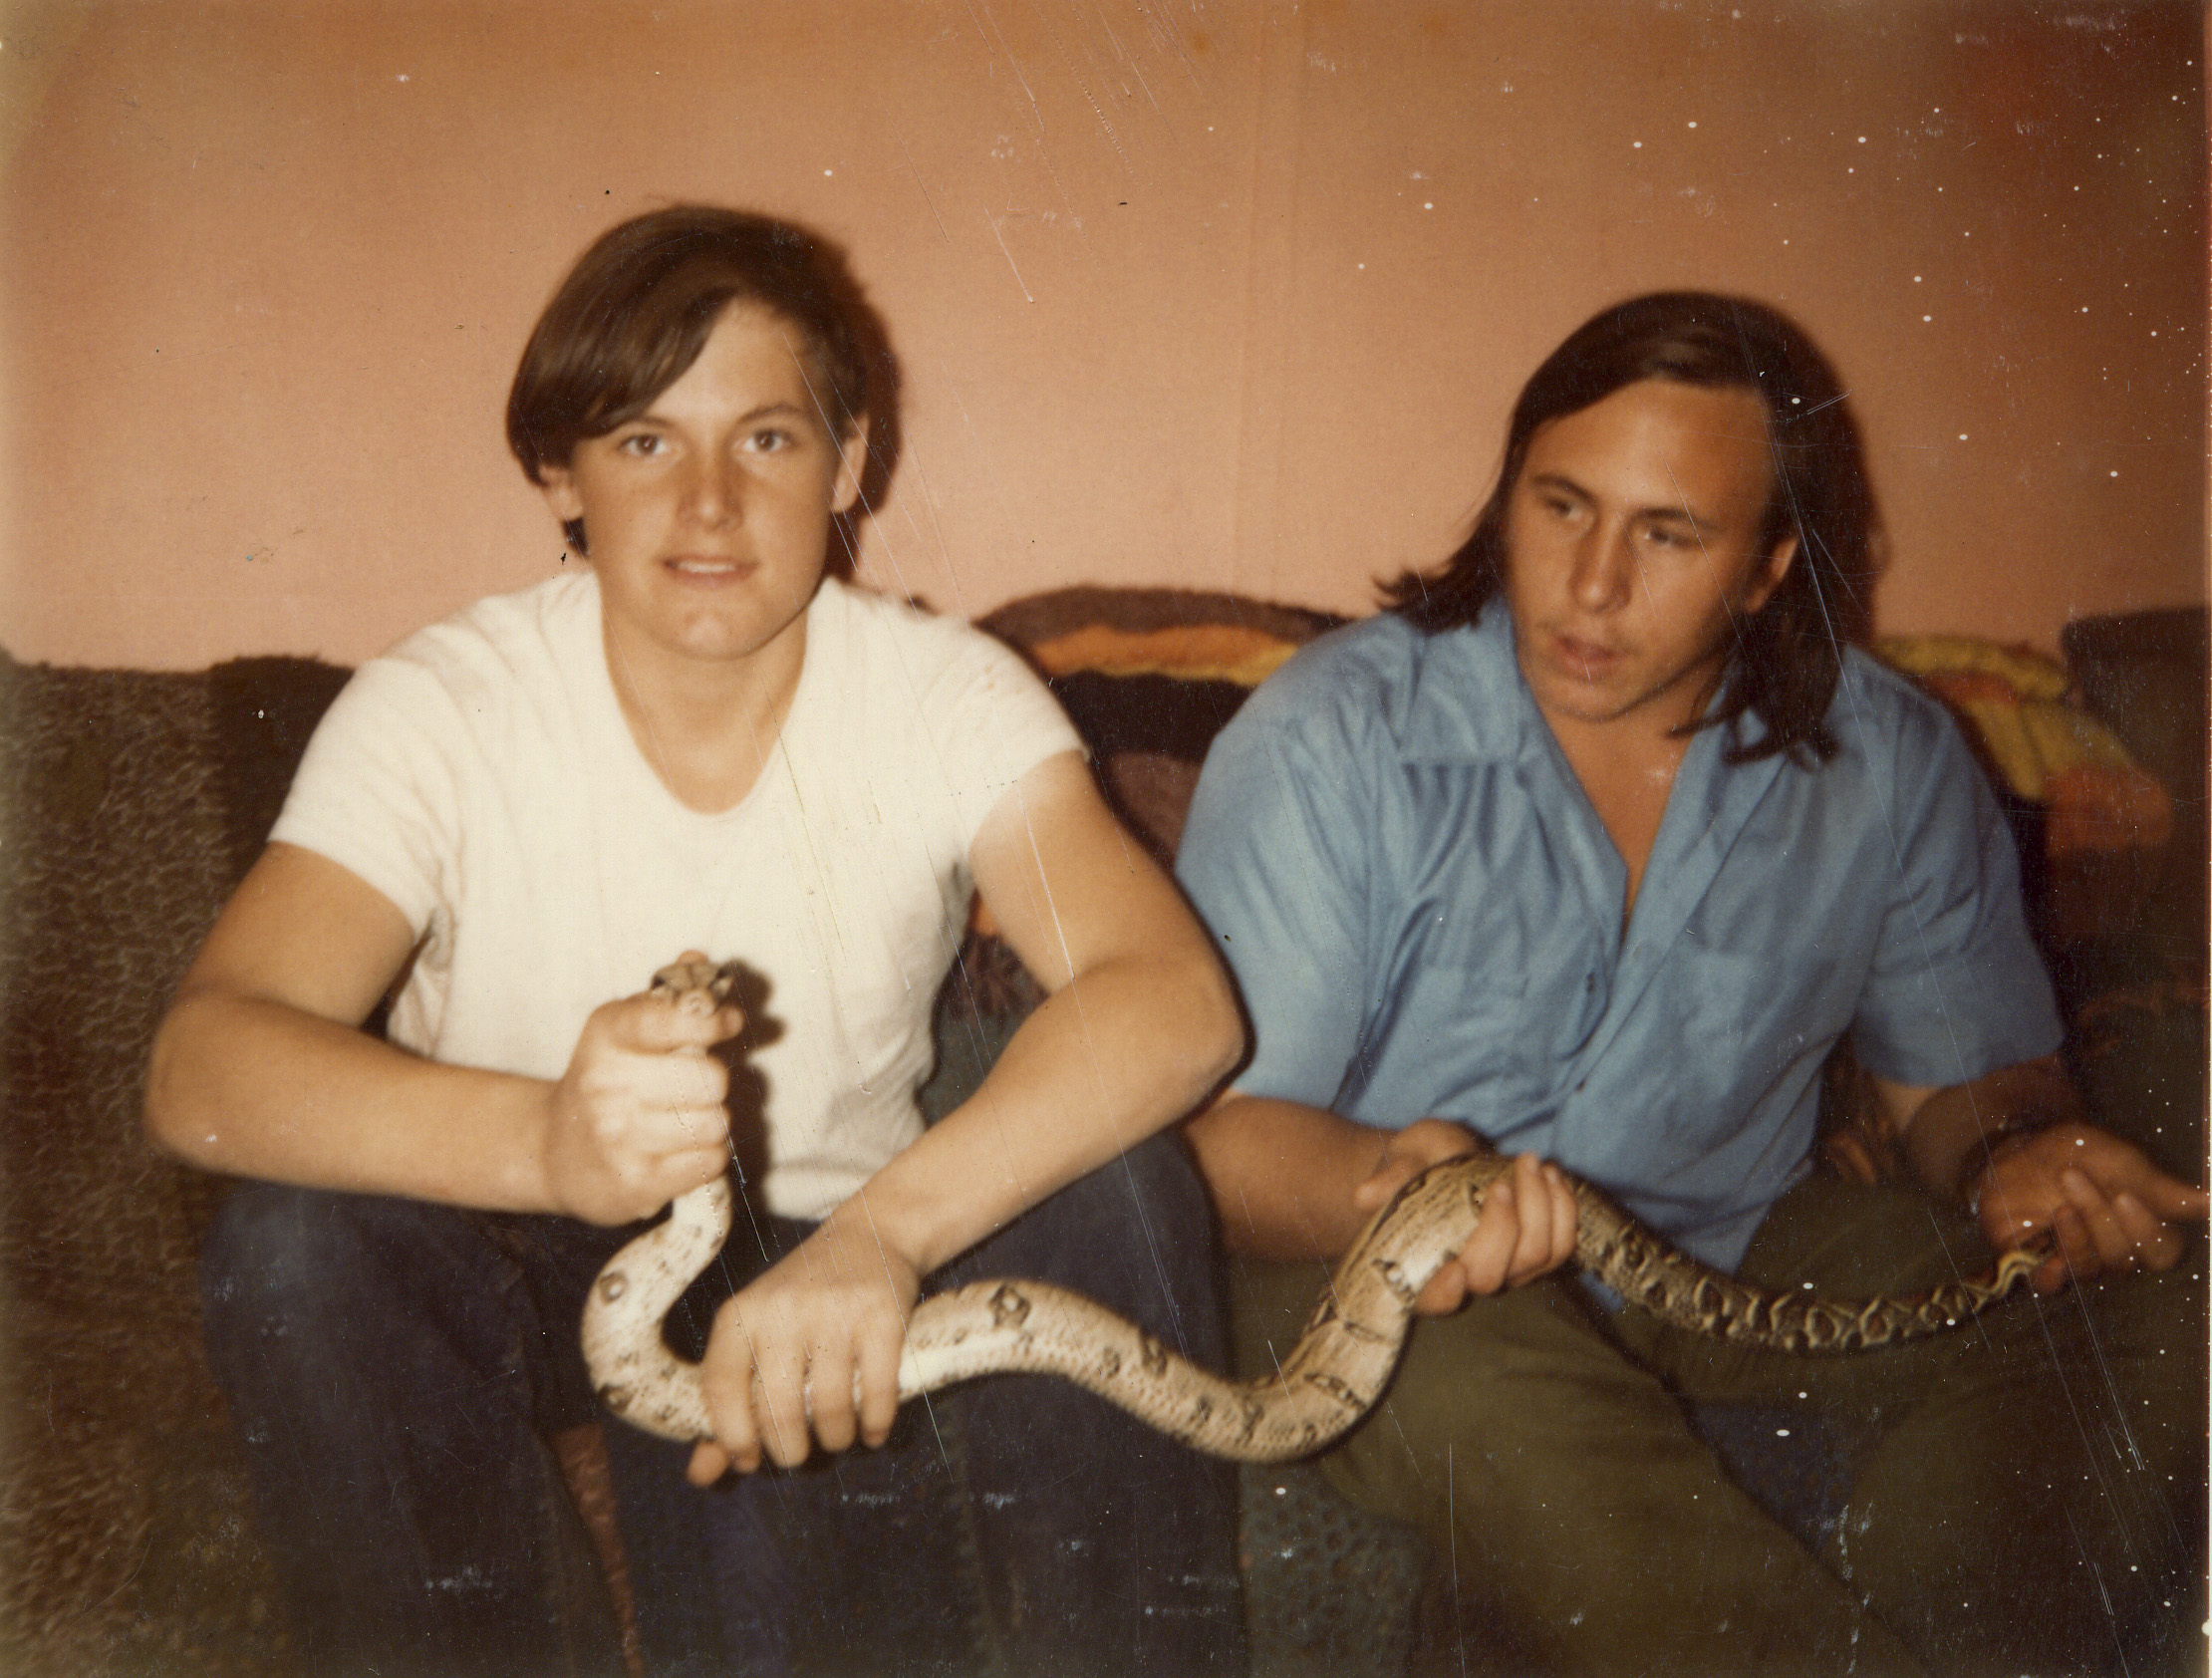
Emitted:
pixel 634 312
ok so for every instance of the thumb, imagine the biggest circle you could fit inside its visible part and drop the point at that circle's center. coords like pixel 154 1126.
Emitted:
pixel 658 1024
pixel 1445 1293
pixel 1390 1175
pixel 710 1462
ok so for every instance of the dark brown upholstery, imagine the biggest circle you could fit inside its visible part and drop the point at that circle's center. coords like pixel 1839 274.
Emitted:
pixel 126 1544
pixel 130 804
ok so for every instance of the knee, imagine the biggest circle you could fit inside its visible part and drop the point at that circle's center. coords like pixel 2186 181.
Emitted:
pixel 261 1274
pixel 299 1268
pixel 2148 1335
pixel 267 1243
pixel 1511 1400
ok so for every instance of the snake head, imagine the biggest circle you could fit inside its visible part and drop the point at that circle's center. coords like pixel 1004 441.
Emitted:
pixel 699 985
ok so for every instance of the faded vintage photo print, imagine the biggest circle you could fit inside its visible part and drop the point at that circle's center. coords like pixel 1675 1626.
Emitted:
pixel 1065 837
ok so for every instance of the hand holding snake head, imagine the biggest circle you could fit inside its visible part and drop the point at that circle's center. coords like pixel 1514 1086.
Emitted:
pixel 1527 1226
pixel 637 1118
pixel 808 1351
pixel 2099 1203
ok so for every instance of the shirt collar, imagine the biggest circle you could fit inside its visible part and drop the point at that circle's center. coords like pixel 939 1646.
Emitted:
pixel 1467 702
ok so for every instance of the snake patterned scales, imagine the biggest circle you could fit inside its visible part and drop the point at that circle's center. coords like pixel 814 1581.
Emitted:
pixel 1330 1379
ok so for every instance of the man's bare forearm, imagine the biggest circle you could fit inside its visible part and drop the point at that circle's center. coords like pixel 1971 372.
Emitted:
pixel 1109 1059
pixel 256 1088
pixel 1281 1175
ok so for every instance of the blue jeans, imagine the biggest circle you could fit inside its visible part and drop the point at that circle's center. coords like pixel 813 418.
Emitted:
pixel 395 1368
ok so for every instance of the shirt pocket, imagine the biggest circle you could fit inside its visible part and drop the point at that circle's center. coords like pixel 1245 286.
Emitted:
pixel 1718 1042
pixel 1456 1033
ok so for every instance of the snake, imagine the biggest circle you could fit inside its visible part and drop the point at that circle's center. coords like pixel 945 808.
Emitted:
pixel 1333 1377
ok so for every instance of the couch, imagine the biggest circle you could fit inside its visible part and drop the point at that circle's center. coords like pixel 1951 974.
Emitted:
pixel 132 801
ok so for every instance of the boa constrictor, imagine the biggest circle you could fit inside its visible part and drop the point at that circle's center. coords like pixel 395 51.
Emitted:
pixel 1331 1378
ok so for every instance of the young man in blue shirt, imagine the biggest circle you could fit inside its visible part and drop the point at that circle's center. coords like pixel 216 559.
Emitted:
pixel 1602 877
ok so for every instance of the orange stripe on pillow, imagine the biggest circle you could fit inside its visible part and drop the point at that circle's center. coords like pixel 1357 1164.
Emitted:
pixel 1188 653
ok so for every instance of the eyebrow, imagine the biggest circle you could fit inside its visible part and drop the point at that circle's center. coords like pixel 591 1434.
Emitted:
pixel 767 410
pixel 1671 510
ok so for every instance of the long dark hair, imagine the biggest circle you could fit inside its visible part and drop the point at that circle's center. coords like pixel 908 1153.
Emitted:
pixel 1788 655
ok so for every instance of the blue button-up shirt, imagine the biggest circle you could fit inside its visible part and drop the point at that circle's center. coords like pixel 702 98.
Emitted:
pixel 1424 913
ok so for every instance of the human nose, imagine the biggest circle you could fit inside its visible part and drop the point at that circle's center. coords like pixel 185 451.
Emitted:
pixel 1600 575
pixel 713 492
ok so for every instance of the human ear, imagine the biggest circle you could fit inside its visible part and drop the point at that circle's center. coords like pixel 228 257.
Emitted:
pixel 1766 576
pixel 852 462
pixel 558 485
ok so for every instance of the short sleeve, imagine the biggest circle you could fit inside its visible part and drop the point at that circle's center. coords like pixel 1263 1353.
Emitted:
pixel 1956 989
pixel 991 720
pixel 1271 860
pixel 376 793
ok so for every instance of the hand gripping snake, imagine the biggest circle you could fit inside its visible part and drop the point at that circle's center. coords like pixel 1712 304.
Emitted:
pixel 1330 1379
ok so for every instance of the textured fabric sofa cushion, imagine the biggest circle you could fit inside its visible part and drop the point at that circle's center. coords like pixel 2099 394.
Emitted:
pixel 124 1540
pixel 130 804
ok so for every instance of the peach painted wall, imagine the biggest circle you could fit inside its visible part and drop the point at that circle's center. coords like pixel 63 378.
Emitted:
pixel 1222 293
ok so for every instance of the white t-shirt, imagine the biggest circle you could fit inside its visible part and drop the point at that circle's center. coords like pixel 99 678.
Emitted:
pixel 481 776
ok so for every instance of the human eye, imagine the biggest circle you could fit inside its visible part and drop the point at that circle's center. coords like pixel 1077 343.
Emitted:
pixel 640 446
pixel 773 439
pixel 1666 537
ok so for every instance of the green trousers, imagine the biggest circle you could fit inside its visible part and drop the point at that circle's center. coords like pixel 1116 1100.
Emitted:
pixel 2028 1496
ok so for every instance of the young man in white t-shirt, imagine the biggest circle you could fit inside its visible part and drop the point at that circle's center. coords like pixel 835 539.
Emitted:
pixel 693 742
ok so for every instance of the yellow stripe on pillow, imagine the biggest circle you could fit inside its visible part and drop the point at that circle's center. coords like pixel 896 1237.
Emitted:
pixel 1186 651
pixel 2028 672
pixel 2013 699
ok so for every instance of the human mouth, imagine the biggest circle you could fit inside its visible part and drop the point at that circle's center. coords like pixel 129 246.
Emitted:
pixel 710 568
pixel 1585 658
